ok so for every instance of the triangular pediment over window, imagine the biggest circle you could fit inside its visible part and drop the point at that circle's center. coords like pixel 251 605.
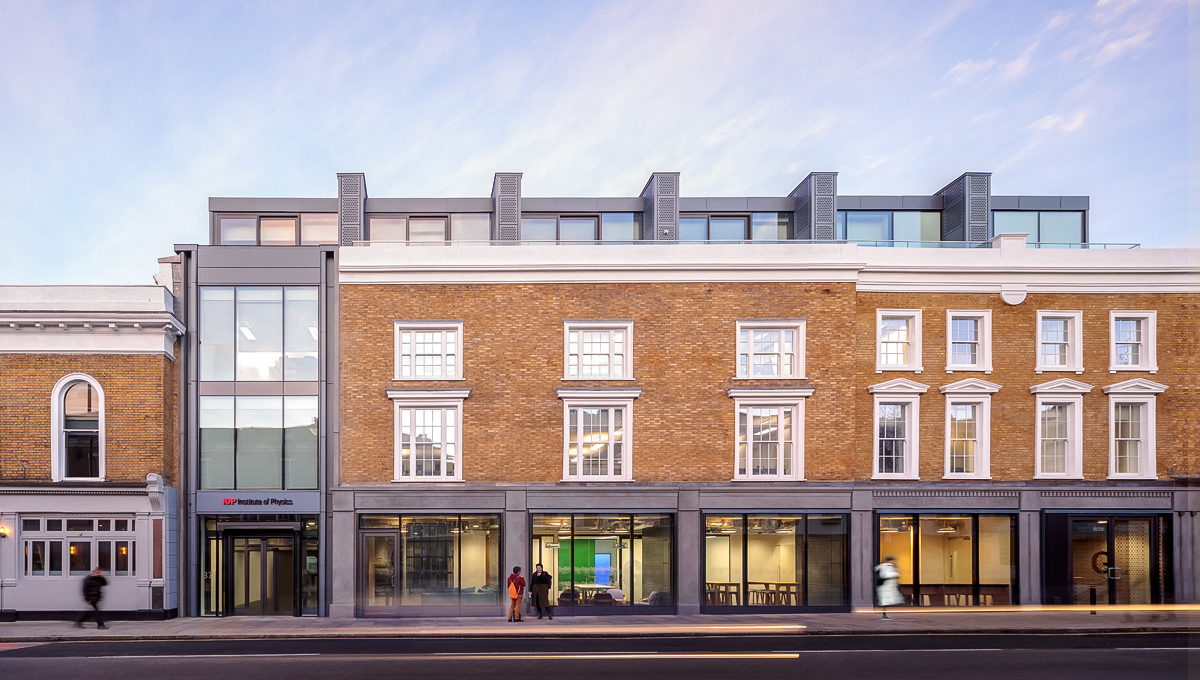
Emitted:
pixel 1136 386
pixel 971 386
pixel 1061 386
pixel 898 386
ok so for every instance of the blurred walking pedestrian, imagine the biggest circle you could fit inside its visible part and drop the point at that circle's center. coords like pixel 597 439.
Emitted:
pixel 93 591
pixel 887 585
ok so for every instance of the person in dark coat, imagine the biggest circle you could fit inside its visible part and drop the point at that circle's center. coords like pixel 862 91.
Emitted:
pixel 93 586
pixel 539 591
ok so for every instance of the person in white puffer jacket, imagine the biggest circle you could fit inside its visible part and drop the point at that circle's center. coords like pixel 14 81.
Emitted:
pixel 887 585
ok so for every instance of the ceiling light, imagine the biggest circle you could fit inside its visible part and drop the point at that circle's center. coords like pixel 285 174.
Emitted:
pixel 246 332
pixel 312 330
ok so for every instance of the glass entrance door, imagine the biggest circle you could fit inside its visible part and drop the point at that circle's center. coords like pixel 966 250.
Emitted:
pixel 1115 558
pixel 262 575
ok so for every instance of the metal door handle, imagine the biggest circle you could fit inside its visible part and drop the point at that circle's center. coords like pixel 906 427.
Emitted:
pixel 1114 573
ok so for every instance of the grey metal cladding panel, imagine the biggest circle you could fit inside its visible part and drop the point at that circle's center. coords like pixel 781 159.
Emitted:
pixel 773 500
pixel 1039 202
pixel 278 276
pixel 693 205
pixel 849 202
pixel 591 499
pixel 667 184
pixel 770 204
pixel 726 204
pixel 978 192
pixel 922 202
pixel 537 204
pixel 1005 202
pixel 881 202
pixel 327 205
pixel 619 204
pixel 1074 202
pixel 291 205
pixel 258 257
pixel 230 204
pixel 428 500
pixel 431 205
pixel 574 204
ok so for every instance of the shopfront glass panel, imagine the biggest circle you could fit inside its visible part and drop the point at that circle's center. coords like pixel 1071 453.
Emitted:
pixel 551 544
pixel 947 564
pixel 479 564
pixel 723 578
pixel 1132 557
pixel 80 558
pixel 774 565
pixel 280 586
pixel 826 560
pixel 996 561
pixel 603 559
pixel 379 561
pixel 310 586
pixel 653 556
pixel 897 538
pixel 1090 563
pixel 430 552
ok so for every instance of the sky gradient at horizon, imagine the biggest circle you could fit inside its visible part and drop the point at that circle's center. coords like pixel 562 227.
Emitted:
pixel 117 122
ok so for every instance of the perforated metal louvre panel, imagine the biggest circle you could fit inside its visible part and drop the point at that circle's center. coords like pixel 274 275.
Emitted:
pixel 802 220
pixel 824 213
pixel 506 198
pixel 660 207
pixel 965 205
pixel 351 196
pixel 978 198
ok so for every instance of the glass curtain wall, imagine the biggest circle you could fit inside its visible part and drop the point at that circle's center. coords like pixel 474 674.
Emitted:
pixel 952 560
pixel 258 333
pixel 426 561
pixel 258 442
pixel 606 560
pixel 785 561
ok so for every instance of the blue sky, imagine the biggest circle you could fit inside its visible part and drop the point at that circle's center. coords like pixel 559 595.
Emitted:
pixel 118 120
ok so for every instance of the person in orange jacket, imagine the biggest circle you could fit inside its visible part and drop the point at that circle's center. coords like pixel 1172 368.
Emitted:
pixel 516 589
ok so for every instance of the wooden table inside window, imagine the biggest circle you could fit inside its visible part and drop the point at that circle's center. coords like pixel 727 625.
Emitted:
pixel 722 593
pixel 773 594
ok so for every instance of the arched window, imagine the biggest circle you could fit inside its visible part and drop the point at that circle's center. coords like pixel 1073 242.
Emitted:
pixel 78 417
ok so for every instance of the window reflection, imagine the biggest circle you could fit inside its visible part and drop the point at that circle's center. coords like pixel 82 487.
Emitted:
pixel 471 227
pixel 277 231
pixel 318 229
pixel 620 227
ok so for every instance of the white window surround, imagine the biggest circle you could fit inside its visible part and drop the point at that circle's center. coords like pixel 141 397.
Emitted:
pixel 908 393
pixel 1074 340
pixel 1142 392
pixel 979 393
pixel 411 325
pixel 1149 354
pixel 769 396
pixel 1061 391
pixel 621 397
pixel 914 340
pixel 984 357
pixel 584 325
pixel 797 326
pixel 427 398
pixel 58 462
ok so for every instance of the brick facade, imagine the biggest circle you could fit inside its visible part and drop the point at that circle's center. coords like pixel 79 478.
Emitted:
pixel 684 358
pixel 141 405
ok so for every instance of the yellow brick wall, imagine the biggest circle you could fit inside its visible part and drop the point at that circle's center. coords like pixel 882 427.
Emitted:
pixel 684 358
pixel 141 400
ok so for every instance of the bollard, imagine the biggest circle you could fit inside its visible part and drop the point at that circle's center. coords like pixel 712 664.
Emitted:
pixel 1092 595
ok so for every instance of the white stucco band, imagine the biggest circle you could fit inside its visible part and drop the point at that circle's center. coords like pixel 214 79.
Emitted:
pixel 88 320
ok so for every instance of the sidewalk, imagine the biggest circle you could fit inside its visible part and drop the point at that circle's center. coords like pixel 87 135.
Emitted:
pixel 907 621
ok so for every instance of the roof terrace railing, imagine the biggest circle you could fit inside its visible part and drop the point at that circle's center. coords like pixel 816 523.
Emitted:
pixel 864 243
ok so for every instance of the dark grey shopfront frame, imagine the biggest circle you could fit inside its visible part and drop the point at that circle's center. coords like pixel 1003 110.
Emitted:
pixel 765 609
pixel 1014 567
pixel 631 609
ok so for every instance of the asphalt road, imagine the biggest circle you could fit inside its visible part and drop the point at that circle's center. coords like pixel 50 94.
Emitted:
pixel 891 657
